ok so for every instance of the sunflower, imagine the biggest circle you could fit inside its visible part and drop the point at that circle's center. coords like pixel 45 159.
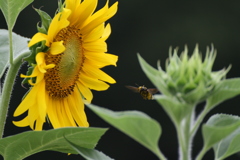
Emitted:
pixel 64 74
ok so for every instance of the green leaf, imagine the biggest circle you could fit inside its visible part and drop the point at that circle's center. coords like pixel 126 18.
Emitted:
pixel 154 75
pixel 229 145
pixel 135 124
pixel 89 154
pixel 177 111
pixel 19 47
pixel 217 128
pixel 226 89
pixel 11 10
pixel 24 144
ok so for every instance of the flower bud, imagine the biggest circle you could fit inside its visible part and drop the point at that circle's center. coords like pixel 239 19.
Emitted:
pixel 190 79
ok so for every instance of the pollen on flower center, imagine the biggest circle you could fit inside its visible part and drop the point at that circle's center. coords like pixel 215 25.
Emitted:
pixel 61 80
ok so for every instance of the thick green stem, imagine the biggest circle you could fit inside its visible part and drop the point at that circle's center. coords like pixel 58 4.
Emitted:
pixel 199 121
pixel 7 90
pixel 184 137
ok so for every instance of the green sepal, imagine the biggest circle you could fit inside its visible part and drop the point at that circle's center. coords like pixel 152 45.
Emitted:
pixel 60 6
pixel 29 72
pixel 31 59
pixel 36 48
pixel 45 21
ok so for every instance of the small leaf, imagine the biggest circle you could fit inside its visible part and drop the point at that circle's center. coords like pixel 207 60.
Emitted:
pixel 226 89
pixel 19 47
pixel 154 75
pixel 217 128
pixel 135 124
pixel 24 144
pixel 11 10
pixel 89 154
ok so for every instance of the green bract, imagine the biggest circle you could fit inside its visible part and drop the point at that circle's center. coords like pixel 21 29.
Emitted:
pixel 40 46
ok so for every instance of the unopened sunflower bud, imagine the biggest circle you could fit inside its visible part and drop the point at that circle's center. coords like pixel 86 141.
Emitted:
pixel 191 79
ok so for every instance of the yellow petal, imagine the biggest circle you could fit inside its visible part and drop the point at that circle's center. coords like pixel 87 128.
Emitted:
pixel 93 83
pixel 96 46
pixel 21 123
pixel 41 61
pixel 74 6
pixel 39 77
pixel 41 101
pixel 59 112
pixel 28 101
pixel 57 48
pixel 59 22
pixel 107 32
pixel 64 116
pixel 77 109
pixel 93 72
pixel 99 17
pixel 35 73
pixel 32 116
pixel 38 37
pixel 39 125
pixel 85 92
pixel 49 66
pixel 95 34
pixel 52 113
pixel 101 59
pixel 68 112
pixel 86 9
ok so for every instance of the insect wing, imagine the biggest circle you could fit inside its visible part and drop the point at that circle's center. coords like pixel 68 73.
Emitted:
pixel 153 90
pixel 134 89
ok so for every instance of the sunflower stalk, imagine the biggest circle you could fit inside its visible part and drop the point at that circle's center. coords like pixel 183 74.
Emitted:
pixel 7 89
pixel 184 136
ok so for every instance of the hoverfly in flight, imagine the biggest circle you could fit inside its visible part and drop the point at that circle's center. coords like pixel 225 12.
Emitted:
pixel 145 92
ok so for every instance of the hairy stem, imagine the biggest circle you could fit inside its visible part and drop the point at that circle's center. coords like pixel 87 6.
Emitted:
pixel 7 90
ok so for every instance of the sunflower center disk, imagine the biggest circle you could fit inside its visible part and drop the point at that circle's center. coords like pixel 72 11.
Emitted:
pixel 61 80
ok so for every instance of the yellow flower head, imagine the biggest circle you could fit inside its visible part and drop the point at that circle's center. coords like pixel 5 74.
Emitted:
pixel 64 73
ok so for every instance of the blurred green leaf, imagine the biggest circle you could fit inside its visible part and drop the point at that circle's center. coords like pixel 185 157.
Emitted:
pixel 11 10
pixel 20 46
pixel 226 89
pixel 89 154
pixel 229 145
pixel 217 128
pixel 177 111
pixel 135 124
pixel 154 75
pixel 24 144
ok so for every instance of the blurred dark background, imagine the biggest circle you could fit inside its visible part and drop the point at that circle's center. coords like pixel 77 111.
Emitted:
pixel 147 27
